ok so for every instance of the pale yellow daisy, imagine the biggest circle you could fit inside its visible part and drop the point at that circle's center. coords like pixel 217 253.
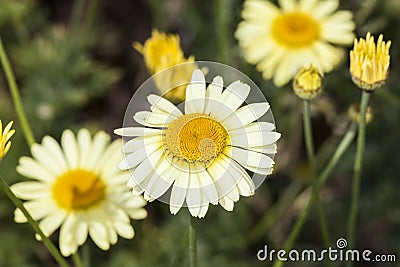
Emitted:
pixel 200 154
pixel 280 41
pixel 76 187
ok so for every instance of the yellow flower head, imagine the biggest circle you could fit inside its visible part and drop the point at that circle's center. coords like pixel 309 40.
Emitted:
pixel 160 49
pixel 5 136
pixel 369 62
pixel 307 84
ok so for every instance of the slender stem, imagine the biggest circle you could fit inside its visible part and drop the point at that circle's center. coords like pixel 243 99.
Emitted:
pixel 19 107
pixel 76 258
pixel 86 255
pixel 357 171
pixel 315 185
pixel 17 202
pixel 276 211
pixel 223 15
pixel 340 150
pixel 192 243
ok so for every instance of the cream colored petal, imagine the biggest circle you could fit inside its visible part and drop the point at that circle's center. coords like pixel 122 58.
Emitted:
pixel 137 214
pixel 255 9
pixel 99 234
pixel 31 190
pixel 30 168
pixel 85 146
pixel 307 6
pixel 324 8
pixel 68 245
pixel 234 95
pixel 52 222
pixel 288 5
pixel 46 158
pixel 70 148
pixel 226 203
pixel 99 144
pixel 124 229
pixel 37 209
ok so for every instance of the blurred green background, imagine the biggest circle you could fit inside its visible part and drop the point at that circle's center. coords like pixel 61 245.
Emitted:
pixel 76 68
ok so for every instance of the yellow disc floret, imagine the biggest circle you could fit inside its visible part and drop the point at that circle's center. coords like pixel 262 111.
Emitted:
pixel 195 137
pixel 78 189
pixel 295 30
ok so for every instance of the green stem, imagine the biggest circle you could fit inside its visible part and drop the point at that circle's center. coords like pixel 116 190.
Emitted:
pixel 315 185
pixel 86 255
pixel 276 211
pixel 76 258
pixel 222 26
pixel 46 241
pixel 357 171
pixel 19 107
pixel 192 243
pixel 340 150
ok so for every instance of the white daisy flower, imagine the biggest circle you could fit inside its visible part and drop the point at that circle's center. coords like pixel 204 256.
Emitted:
pixel 301 32
pixel 77 187
pixel 201 153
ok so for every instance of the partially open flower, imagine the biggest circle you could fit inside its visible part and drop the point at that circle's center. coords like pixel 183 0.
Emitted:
pixel 354 113
pixel 160 52
pixel 369 62
pixel 307 84
pixel 5 136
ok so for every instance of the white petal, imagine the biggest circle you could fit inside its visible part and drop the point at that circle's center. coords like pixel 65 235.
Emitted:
pixel 179 188
pixel 159 103
pixel 139 142
pixel 245 115
pixel 153 119
pixel 234 95
pixel 137 131
pixel 135 158
pixel 254 139
pixel 249 158
pixel 53 148
pixel 226 203
pixel 195 93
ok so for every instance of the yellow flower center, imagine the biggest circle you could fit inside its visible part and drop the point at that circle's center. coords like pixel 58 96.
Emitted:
pixel 295 30
pixel 196 137
pixel 78 189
